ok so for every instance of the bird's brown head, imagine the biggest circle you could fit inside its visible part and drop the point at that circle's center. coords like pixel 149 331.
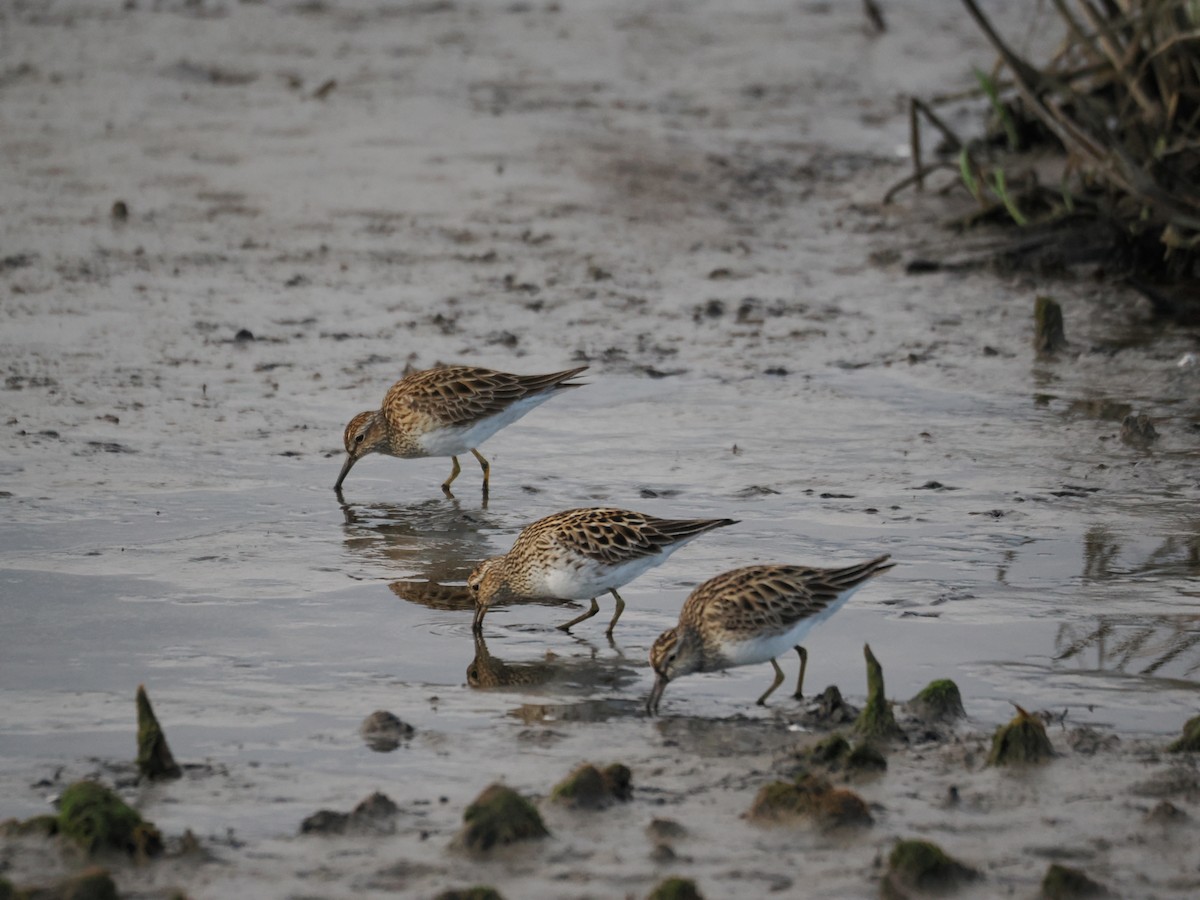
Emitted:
pixel 677 651
pixel 486 581
pixel 365 434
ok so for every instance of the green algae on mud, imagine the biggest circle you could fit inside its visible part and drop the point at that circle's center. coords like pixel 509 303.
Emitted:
pixel 1023 741
pixel 1066 883
pixel 809 797
pixel 924 867
pixel 938 701
pixel 1189 741
pixel 90 884
pixel 675 888
pixel 876 721
pixel 497 817
pixel 96 819
pixel 478 892
pixel 154 759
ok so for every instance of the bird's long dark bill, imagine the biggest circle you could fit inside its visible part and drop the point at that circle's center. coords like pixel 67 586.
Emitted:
pixel 655 696
pixel 346 467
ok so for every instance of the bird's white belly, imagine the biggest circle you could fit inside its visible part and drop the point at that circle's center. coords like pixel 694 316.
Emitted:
pixel 772 646
pixel 463 438
pixel 581 579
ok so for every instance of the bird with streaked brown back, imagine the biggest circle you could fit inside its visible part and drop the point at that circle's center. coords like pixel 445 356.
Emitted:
pixel 578 554
pixel 447 411
pixel 752 615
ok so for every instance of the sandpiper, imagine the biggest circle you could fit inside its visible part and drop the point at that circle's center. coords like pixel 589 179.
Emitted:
pixel 753 615
pixel 579 554
pixel 447 411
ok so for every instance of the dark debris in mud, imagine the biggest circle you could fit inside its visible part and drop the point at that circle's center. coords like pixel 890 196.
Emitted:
pixel 591 788
pixel 384 731
pixel 375 814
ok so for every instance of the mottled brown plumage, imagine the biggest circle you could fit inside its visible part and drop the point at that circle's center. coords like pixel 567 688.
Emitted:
pixel 579 554
pixel 447 411
pixel 752 615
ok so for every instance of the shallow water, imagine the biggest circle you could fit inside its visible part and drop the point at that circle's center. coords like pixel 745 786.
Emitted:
pixel 493 185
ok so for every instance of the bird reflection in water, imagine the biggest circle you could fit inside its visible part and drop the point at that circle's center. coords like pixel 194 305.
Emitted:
pixel 435 537
pixel 487 671
pixel 586 673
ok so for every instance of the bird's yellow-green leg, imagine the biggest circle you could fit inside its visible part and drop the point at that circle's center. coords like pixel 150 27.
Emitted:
pixel 587 615
pixel 485 465
pixel 799 695
pixel 453 474
pixel 762 701
pixel 617 614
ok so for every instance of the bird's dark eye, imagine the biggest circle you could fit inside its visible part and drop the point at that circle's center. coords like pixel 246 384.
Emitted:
pixel 474 588
pixel 358 438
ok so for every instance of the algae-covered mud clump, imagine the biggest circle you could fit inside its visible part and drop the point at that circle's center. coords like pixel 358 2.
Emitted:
pixel 36 826
pixel 1065 883
pixel 809 797
pixel 836 754
pixel 1189 741
pixel 676 889
pixel 1049 336
pixel 97 819
pixel 1022 741
pixel 90 884
pixel 498 817
pixel 154 759
pixel 480 892
pixel 590 788
pixel 876 721
pixel 925 867
pixel 938 701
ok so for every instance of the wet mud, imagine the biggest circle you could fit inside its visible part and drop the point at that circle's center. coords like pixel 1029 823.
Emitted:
pixel 229 227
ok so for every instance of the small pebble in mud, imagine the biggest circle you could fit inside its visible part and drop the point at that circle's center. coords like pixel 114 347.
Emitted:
pixel 384 731
pixel 244 335
pixel 374 815
pixel 1166 813
pixel 831 709
pixel 120 211
pixel 1138 430
pixel 589 788
pixel 665 830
